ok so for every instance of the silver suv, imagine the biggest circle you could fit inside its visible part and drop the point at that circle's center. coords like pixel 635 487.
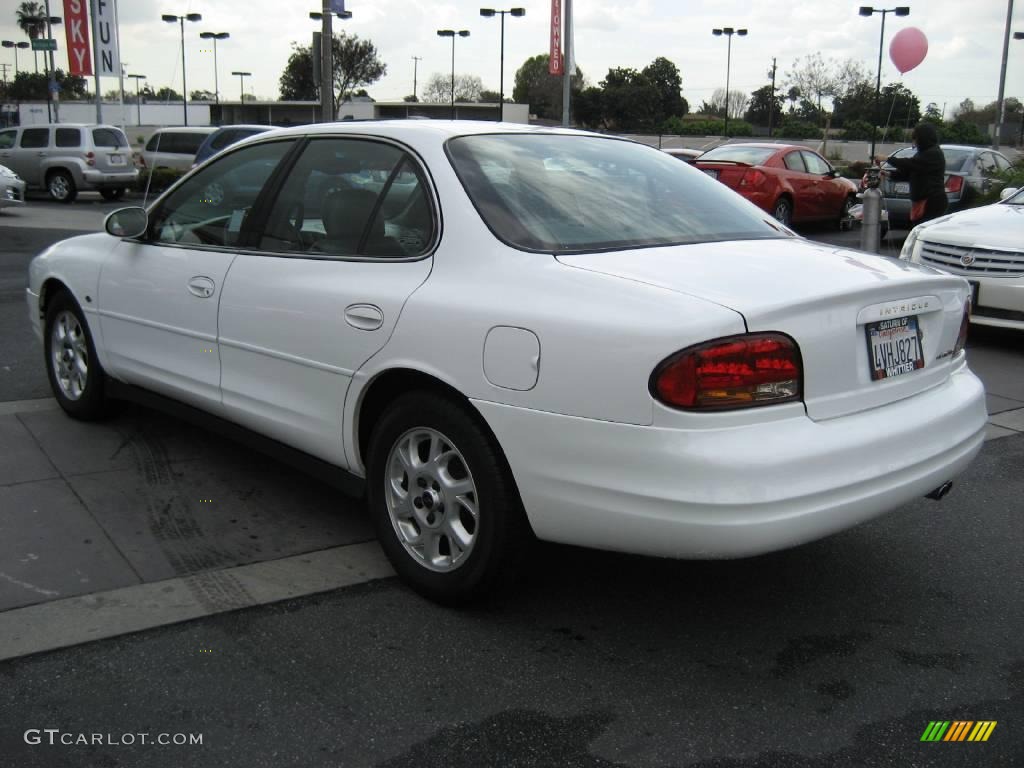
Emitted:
pixel 67 158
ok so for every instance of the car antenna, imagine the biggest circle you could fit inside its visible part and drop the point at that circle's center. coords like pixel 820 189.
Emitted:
pixel 149 171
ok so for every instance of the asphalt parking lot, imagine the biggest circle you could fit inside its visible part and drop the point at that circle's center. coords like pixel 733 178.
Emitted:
pixel 155 578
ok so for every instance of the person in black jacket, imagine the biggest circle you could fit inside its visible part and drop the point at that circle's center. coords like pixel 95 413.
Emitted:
pixel 926 172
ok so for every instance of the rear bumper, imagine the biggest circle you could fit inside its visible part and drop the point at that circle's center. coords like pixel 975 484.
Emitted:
pixel 105 180
pixel 719 493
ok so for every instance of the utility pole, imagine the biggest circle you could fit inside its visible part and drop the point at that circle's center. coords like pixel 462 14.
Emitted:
pixel 415 61
pixel 568 63
pixel 327 112
pixel 1001 113
pixel 51 85
pixel 771 102
pixel 96 61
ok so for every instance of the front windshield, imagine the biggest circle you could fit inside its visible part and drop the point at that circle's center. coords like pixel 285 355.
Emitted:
pixel 573 194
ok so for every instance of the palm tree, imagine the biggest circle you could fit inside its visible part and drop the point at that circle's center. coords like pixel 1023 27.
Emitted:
pixel 32 21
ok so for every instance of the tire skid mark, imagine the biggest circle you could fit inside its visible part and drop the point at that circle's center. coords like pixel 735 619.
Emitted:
pixel 190 553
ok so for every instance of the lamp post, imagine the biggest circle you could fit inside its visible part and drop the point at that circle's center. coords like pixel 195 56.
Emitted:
pixel 327 111
pixel 138 98
pixel 170 18
pixel 728 32
pixel 15 46
pixel 452 34
pixel 241 84
pixel 215 36
pixel 51 70
pixel 867 10
pixel 488 13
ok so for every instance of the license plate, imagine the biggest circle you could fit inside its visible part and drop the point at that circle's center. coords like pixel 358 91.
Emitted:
pixel 116 159
pixel 711 173
pixel 894 347
pixel 902 188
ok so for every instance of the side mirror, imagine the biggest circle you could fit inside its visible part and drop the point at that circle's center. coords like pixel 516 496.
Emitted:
pixel 1008 192
pixel 127 222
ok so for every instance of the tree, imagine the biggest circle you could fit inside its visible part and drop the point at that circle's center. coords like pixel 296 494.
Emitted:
pixel 410 99
pixel 588 106
pixel 32 21
pixel 201 96
pixel 438 88
pixel 664 77
pixel 813 77
pixel 489 97
pixel 166 94
pixel 630 101
pixel 761 103
pixel 899 105
pixel 716 104
pixel 543 91
pixel 356 64
pixel 932 114
pixel 856 105
pixel 296 82
pixel 32 86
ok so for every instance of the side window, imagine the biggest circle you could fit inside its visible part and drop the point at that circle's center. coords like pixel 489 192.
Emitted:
pixel 7 139
pixel 152 143
pixel 68 137
pixel 987 164
pixel 211 207
pixel 224 139
pixel 35 138
pixel 351 197
pixel 816 164
pixel 794 162
pixel 189 143
pixel 1002 163
pixel 108 137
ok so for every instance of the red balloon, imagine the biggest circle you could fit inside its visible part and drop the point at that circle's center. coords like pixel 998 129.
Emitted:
pixel 908 48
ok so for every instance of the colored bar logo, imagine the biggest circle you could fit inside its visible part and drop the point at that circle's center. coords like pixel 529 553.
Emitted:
pixel 958 730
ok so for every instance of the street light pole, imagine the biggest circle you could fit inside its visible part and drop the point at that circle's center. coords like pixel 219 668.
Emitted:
pixel 138 98
pixel 170 19
pixel 867 10
pixel 489 13
pixel 728 32
pixel 16 47
pixel 215 36
pixel 328 112
pixel 51 86
pixel 452 34
pixel 241 84
pixel 1001 112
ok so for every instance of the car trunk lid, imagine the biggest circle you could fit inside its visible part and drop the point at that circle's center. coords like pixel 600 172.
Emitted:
pixel 728 172
pixel 823 297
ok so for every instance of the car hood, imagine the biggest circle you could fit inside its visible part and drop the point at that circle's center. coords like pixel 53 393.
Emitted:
pixel 819 295
pixel 997 226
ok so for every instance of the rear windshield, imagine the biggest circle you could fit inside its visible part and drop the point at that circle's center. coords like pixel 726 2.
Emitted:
pixel 748 155
pixel 230 137
pixel 573 194
pixel 955 158
pixel 176 143
pixel 108 137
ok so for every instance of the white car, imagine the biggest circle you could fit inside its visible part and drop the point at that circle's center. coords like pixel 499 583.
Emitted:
pixel 12 188
pixel 503 330
pixel 985 245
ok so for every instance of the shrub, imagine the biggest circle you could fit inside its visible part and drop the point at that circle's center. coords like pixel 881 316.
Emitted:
pixel 792 128
pixel 706 127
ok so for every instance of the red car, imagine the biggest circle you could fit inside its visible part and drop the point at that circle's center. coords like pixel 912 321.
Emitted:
pixel 791 182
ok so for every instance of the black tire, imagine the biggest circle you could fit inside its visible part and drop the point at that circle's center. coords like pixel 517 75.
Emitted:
pixel 499 530
pixel 783 211
pixel 90 403
pixel 844 212
pixel 61 186
pixel 112 194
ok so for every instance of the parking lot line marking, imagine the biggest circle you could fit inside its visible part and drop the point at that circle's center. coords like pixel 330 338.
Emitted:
pixel 75 620
pixel 28 406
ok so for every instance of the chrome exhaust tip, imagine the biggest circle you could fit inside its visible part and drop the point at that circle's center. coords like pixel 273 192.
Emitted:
pixel 941 491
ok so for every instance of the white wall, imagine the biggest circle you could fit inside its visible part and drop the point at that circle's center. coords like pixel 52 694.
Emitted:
pixel 34 113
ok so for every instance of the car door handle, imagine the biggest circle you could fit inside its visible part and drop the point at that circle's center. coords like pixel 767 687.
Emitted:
pixel 202 287
pixel 365 317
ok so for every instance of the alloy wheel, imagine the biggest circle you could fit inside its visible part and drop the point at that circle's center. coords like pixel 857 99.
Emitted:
pixel 70 354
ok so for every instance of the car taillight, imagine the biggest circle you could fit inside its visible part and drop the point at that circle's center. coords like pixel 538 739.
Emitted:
pixel 954 183
pixel 734 372
pixel 90 158
pixel 965 323
pixel 752 178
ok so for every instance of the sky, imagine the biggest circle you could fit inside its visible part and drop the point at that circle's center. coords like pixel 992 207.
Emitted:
pixel 963 61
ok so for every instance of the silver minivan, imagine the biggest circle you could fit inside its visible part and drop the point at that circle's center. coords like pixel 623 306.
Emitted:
pixel 67 158
pixel 174 148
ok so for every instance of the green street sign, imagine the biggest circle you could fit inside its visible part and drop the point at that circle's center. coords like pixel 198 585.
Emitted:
pixel 44 44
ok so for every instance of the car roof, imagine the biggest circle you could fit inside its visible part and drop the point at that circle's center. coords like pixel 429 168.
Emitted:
pixel 441 129
pixel 246 127
pixel 762 145
pixel 68 125
pixel 187 129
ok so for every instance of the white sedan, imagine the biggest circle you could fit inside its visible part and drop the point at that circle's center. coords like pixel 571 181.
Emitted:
pixel 12 188
pixel 985 245
pixel 504 331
